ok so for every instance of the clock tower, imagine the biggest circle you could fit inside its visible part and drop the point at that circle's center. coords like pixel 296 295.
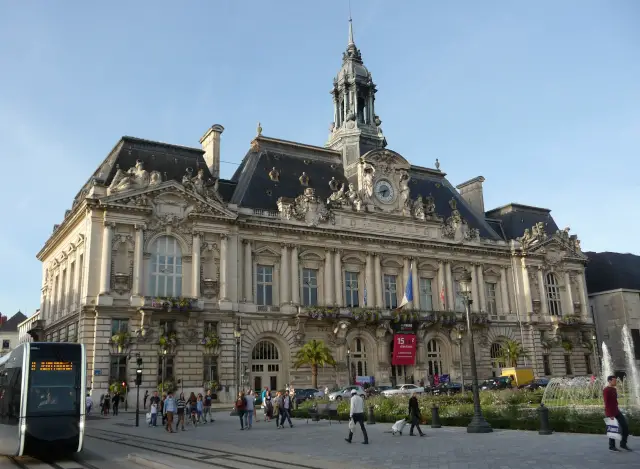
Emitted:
pixel 355 129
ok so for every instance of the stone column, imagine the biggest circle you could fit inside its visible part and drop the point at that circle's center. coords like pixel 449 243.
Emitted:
pixel 450 290
pixel 569 294
pixel 504 290
pixel 328 273
pixel 475 303
pixel 337 277
pixel 285 280
pixel 584 299
pixel 441 280
pixel 295 276
pixel 416 286
pixel 369 282
pixel 138 260
pixel 526 287
pixel 544 307
pixel 482 289
pixel 248 271
pixel 223 267
pixel 379 286
pixel 405 276
pixel 105 272
pixel 195 265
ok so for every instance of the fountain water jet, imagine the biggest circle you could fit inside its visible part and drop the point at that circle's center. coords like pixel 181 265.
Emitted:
pixel 632 370
pixel 607 364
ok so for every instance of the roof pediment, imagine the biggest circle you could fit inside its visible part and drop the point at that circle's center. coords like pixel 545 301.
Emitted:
pixel 169 198
pixel 385 158
pixel 558 247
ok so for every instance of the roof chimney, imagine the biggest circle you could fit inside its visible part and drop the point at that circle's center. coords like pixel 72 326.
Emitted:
pixel 471 192
pixel 211 145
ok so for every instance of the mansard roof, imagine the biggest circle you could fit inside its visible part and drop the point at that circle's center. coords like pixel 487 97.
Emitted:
pixel 11 325
pixel 170 160
pixel 514 218
pixel 611 271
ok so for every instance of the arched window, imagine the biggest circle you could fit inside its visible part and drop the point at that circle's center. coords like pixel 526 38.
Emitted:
pixel 554 301
pixel 434 358
pixel 265 350
pixel 497 362
pixel 359 358
pixel 165 279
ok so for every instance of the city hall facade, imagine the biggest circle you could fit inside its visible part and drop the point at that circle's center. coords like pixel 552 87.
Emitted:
pixel 215 282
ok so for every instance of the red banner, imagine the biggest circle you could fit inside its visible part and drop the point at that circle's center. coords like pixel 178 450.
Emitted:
pixel 404 349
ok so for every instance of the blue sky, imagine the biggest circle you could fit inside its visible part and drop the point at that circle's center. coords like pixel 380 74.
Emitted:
pixel 541 98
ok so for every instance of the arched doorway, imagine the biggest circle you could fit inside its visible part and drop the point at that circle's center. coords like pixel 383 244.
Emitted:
pixel 266 365
pixel 497 362
pixel 359 360
pixel 400 374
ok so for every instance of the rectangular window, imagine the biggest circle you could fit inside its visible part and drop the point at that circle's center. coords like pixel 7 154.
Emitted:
pixel 166 327
pixel 492 306
pixel 63 292
pixel 635 336
pixel 72 278
pixel 426 294
pixel 210 370
pixel 210 326
pixel 119 325
pixel 351 289
pixel 80 276
pixel 264 285
pixel 567 365
pixel 309 287
pixel 587 361
pixel 6 344
pixel 459 299
pixel 165 368
pixel 56 290
pixel 546 363
pixel 118 369
pixel 390 291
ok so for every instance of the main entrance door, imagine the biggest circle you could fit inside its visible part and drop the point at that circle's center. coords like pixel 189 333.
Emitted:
pixel 266 366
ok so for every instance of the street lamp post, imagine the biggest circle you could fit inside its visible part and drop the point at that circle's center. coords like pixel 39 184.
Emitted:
pixel 237 334
pixel 461 363
pixel 138 383
pixel 164 371
pixel 348 366
pixel 478 423
pixel 597 355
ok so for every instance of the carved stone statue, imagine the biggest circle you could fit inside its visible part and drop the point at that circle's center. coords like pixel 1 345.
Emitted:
pixel 430 206
pixel 306 207
pixel 404 192
pixel 196 183
pixel 156 178
pixel 337 197
pixel 418 208
pixel 367 187
pixel 274 175
pixel 135 178
pixel 354 198
pixel 212 191
pixel 536 234
pixel 304 179
pixel 334 184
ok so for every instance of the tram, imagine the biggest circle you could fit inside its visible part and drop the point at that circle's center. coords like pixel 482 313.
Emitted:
pixel 42 399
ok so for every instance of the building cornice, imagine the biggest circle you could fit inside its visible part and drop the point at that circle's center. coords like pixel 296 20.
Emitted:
pixel 68 224
pixel 615 290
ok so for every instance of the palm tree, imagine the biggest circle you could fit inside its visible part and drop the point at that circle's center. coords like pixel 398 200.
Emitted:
pixel 314 353
pixel 511 352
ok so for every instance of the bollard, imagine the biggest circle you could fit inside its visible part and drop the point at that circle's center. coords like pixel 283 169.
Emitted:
pixel 372 418
pixel 316 416
pixel 544 421
pixel 435 417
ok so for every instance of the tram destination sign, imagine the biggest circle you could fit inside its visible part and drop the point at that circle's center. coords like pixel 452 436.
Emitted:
pixel 51 366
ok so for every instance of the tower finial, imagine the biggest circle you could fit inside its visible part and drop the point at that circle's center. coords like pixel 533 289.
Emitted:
pixel 350 26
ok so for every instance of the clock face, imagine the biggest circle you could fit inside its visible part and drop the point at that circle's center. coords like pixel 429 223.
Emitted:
pixel 384 191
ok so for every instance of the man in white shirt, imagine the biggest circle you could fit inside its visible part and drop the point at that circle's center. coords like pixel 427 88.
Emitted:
pixel 356 414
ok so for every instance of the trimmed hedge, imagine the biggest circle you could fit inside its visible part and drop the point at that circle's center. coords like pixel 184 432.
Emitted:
pixel 503 410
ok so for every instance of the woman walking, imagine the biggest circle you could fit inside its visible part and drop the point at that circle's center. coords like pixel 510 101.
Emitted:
pixel 414 414
pixel 241 405
pixel 268 406
pixel 180 404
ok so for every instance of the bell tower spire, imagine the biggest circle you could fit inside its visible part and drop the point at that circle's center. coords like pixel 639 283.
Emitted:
pixel 355 129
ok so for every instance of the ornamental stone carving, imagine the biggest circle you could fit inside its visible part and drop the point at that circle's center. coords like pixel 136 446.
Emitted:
pixel 274 175
pixel 135 178
pixel 456 228
pixel 533 236
pixel 424 209
pixel 307 208
pixel 404 202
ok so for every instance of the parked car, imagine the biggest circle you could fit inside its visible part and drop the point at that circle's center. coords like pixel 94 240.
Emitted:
pixel 448 389
pixel 535 384
pixel 402 390
pixel 345 393
pixel 305 394
pixel 492 384
pixel 376 390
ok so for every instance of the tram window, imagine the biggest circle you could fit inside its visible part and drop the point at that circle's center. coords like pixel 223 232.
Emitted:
pixel 53 390
pixel 14 405
pixel 10 386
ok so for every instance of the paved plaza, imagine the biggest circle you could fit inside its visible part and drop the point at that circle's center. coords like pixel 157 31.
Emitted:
pixel 318 445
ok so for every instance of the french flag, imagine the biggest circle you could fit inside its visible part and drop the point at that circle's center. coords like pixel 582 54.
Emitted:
pixel 408 291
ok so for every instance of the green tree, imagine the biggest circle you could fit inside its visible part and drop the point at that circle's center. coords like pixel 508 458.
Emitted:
pixel 511 353
pixel 314 353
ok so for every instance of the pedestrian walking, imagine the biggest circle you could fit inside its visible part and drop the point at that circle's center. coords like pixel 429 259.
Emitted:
pixel 170 408
pixel 356 415
pixel 180 405
pixel 155 407
pixel 116 403
pixel 144 399
pixel 241 405
pixel 208 400
pixel 414 414
pixel 250 407
pixel 612 411
pixel 285 410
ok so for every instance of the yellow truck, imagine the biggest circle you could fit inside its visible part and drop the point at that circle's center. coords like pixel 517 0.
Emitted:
pixel 519 376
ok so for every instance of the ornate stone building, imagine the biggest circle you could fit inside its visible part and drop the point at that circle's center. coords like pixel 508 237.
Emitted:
pixel 160 256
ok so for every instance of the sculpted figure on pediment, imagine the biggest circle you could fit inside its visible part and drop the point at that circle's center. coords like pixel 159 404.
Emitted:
pixel 135 178
pixel 535 235
pixel 306 207
pixel 419 208
pixel 213 191
pixel 354 198
pixel 405 203
pixel 338 197
pixel 367 183
pixel 156 178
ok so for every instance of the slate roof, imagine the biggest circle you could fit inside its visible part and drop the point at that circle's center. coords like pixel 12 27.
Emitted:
pixel 12 323
pixel 515 218
pixel 611 271
pixel 170 160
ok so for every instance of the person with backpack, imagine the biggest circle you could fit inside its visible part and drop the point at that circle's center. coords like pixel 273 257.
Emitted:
pixel 180 404
pixel 208 399
pixel 241 405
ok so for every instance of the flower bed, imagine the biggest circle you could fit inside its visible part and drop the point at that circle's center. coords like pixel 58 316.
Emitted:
pixel 502 409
